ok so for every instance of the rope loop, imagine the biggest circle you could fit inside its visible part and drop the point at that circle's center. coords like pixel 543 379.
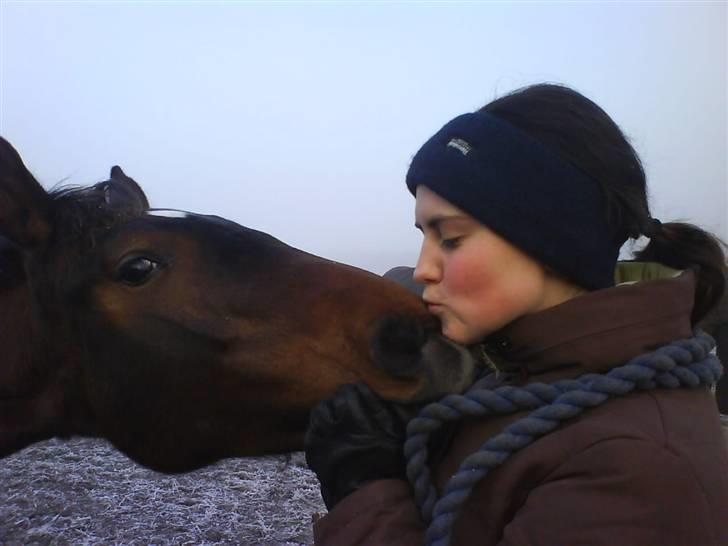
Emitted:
pixel 686 363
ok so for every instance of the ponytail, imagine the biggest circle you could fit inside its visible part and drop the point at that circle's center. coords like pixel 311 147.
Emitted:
pixel 685 246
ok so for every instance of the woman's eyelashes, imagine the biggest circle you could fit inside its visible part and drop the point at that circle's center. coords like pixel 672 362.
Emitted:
pixel 449 243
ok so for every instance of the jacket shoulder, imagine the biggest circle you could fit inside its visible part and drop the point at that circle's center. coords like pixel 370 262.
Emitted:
pixel 640 460
pixel 619 490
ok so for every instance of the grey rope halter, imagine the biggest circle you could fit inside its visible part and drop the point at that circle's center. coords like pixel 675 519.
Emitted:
pixel 684 363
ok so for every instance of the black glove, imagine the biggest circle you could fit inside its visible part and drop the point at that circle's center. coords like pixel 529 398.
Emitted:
pixel 356 437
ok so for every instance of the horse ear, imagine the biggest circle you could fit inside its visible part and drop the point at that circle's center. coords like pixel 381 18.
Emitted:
pixel 24 204
pixel 124 192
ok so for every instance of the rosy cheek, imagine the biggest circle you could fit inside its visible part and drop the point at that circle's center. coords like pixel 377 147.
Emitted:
pixel 466 277
pixel 479 293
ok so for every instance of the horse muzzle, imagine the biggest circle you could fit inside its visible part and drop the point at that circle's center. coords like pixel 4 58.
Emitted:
pixel 411 348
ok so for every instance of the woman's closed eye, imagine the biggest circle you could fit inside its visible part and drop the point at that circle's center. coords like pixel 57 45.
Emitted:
pixel 450 243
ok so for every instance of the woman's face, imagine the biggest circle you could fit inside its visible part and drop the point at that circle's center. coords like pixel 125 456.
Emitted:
pixel 475 281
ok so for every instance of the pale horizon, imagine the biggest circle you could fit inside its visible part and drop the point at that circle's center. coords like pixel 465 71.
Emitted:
pixel 300 119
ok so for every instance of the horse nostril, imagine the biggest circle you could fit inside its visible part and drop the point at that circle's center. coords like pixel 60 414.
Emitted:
pixel 413 348
pixel 403 334
pixel 397 343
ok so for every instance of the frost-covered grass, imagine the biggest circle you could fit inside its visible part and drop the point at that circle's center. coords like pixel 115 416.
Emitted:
pixel 84 492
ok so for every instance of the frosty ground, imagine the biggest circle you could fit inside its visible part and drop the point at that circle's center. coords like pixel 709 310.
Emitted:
pixel 84 492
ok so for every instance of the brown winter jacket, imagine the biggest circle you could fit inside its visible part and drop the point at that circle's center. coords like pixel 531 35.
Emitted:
pixel 646 469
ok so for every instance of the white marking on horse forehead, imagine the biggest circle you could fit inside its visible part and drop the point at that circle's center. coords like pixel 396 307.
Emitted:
pixel 168 213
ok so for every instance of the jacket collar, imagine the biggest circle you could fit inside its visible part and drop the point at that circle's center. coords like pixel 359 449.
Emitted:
pixel 597 331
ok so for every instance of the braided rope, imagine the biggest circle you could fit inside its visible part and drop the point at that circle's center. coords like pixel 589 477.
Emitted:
pixel 683 363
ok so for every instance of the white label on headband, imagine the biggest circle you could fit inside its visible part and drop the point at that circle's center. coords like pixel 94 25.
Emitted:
pixel 460 145
pixel 168 213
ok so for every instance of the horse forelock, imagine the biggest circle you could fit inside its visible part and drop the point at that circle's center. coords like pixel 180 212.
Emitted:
pixel 80 218
pixel 81 215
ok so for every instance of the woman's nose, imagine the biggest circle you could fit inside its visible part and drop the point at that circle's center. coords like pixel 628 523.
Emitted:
pixel 428 269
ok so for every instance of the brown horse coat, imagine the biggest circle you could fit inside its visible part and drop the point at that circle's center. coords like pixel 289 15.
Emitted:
pixel 185 338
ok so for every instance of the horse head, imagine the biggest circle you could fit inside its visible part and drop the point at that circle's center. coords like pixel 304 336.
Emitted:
pixel 185 338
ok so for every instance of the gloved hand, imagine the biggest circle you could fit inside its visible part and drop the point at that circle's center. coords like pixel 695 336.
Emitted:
pixel 356 437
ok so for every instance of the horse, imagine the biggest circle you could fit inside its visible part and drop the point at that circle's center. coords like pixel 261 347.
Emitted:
pixel 185 338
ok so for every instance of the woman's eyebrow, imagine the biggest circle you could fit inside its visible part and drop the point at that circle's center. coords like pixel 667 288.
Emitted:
pixel 435 222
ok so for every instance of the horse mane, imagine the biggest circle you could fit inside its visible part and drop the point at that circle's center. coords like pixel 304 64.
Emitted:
pixel 81 215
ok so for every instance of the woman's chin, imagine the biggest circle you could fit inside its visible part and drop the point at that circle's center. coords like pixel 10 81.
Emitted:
pixel 464 335
pixel 459 335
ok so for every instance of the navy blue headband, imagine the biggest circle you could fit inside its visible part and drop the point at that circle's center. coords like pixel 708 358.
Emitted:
pixel 524 192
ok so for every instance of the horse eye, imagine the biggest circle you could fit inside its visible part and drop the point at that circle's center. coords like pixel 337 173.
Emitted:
pixel 136 271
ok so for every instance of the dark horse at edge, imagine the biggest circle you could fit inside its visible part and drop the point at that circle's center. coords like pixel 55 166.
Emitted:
pixel 184 338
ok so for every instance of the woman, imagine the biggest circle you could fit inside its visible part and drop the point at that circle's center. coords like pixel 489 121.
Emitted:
pixel 524 206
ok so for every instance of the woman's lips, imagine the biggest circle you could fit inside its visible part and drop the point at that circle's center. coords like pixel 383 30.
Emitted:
pixel 432 306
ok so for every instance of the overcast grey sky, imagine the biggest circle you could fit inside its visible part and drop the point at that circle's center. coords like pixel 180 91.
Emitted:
pixel 300 119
